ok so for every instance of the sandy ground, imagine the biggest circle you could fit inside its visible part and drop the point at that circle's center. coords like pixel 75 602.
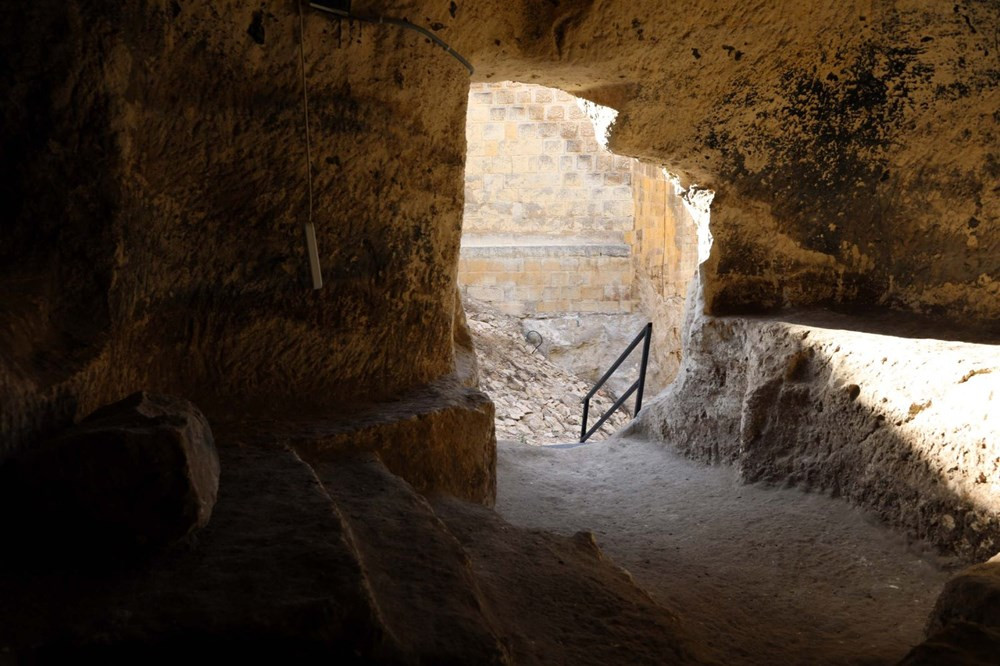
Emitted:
pixel 762 575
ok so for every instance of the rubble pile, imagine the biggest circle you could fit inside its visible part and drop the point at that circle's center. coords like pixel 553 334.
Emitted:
pixel 537 402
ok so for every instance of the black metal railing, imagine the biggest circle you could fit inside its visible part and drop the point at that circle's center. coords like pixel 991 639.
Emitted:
pixel 644 337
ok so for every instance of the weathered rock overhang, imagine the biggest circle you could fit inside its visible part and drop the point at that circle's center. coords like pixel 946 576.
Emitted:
pixel 894 415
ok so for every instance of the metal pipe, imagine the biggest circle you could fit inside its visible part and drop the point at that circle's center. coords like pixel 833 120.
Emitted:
pixel 611 411
pixel 648 332
pixel 403 23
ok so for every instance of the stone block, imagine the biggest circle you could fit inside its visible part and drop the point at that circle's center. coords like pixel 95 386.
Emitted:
pixel 489 294
pixel 477 114
pixel 546 130
pixel 547 164
pixel 129 479
pixel 493 131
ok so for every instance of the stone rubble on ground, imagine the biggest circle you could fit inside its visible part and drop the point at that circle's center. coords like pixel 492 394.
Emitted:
pixel 536 401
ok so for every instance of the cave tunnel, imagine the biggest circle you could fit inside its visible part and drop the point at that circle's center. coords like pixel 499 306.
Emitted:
pixel 240 406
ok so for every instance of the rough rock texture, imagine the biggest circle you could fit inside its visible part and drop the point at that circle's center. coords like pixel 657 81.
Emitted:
pixel 852 147
pixel 274 576
pixel 154 178
pixel 587 345
pixel 133 476
pixel 763 576
pixel 894 415
pixel 542 585
pixel 971 596
pixel 347 566
pixel 960 644
pixel 439 436
pixel 964 627
pixel 537 402
pixel 154 170
pixel 154 190
pixel 434 607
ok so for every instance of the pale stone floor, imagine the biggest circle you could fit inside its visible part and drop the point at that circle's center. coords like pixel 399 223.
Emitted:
pixel 762 575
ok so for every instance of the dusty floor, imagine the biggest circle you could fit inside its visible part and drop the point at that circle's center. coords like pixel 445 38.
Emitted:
pixel 763 575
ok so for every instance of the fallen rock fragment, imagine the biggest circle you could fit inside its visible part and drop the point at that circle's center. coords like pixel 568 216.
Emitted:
pixel 131 477
pixel 964 627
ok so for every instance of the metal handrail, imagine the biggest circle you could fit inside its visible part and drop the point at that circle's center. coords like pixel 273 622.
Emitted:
pixel 637 386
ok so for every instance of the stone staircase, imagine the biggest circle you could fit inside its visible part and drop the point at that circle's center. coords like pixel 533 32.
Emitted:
pixel 342 560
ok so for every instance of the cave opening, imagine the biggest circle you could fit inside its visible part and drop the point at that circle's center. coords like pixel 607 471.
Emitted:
pixel 568 249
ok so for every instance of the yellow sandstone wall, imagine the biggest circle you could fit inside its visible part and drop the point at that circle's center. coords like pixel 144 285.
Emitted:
pixel 554 222
pixel 664 244
pixel 535 167
pixel 549 279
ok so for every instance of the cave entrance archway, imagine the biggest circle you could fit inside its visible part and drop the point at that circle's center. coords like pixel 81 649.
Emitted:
pixel 580 245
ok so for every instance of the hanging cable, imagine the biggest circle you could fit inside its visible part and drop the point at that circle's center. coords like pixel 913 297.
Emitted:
pixel 403 23
pixel 315 270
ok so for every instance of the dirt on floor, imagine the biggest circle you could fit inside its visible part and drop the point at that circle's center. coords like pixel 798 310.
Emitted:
pixel 760 575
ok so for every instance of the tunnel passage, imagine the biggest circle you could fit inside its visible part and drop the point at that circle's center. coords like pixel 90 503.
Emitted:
pixel 153 161
pixel 580 246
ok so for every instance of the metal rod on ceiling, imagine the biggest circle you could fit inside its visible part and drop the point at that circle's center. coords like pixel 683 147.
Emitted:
pixel 403 23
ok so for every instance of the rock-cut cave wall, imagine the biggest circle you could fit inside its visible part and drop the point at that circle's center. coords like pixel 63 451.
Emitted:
pixel 154 187
pixel 154 195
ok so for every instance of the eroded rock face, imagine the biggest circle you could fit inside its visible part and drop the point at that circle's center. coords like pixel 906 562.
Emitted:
pixel 964 627
pixel 154 158
pixel 132 477
pixel 853 147
pixel 971 596
pixel 884 415
pixel 345 563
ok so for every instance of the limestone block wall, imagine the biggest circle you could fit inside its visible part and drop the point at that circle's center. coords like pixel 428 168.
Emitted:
pixel 556 226
pixel 549 279
pixel 664 245
pixel 664 238
pixel 547 209
pixel 535 166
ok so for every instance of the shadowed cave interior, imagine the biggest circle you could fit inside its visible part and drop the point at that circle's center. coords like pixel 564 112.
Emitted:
pixel 240 407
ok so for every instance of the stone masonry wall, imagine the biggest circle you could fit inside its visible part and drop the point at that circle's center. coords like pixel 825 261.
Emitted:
pixel 664 244
pixel 664 238
pixel 547 209
pixel 549 279
pixel 534 166
pixel 557 228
